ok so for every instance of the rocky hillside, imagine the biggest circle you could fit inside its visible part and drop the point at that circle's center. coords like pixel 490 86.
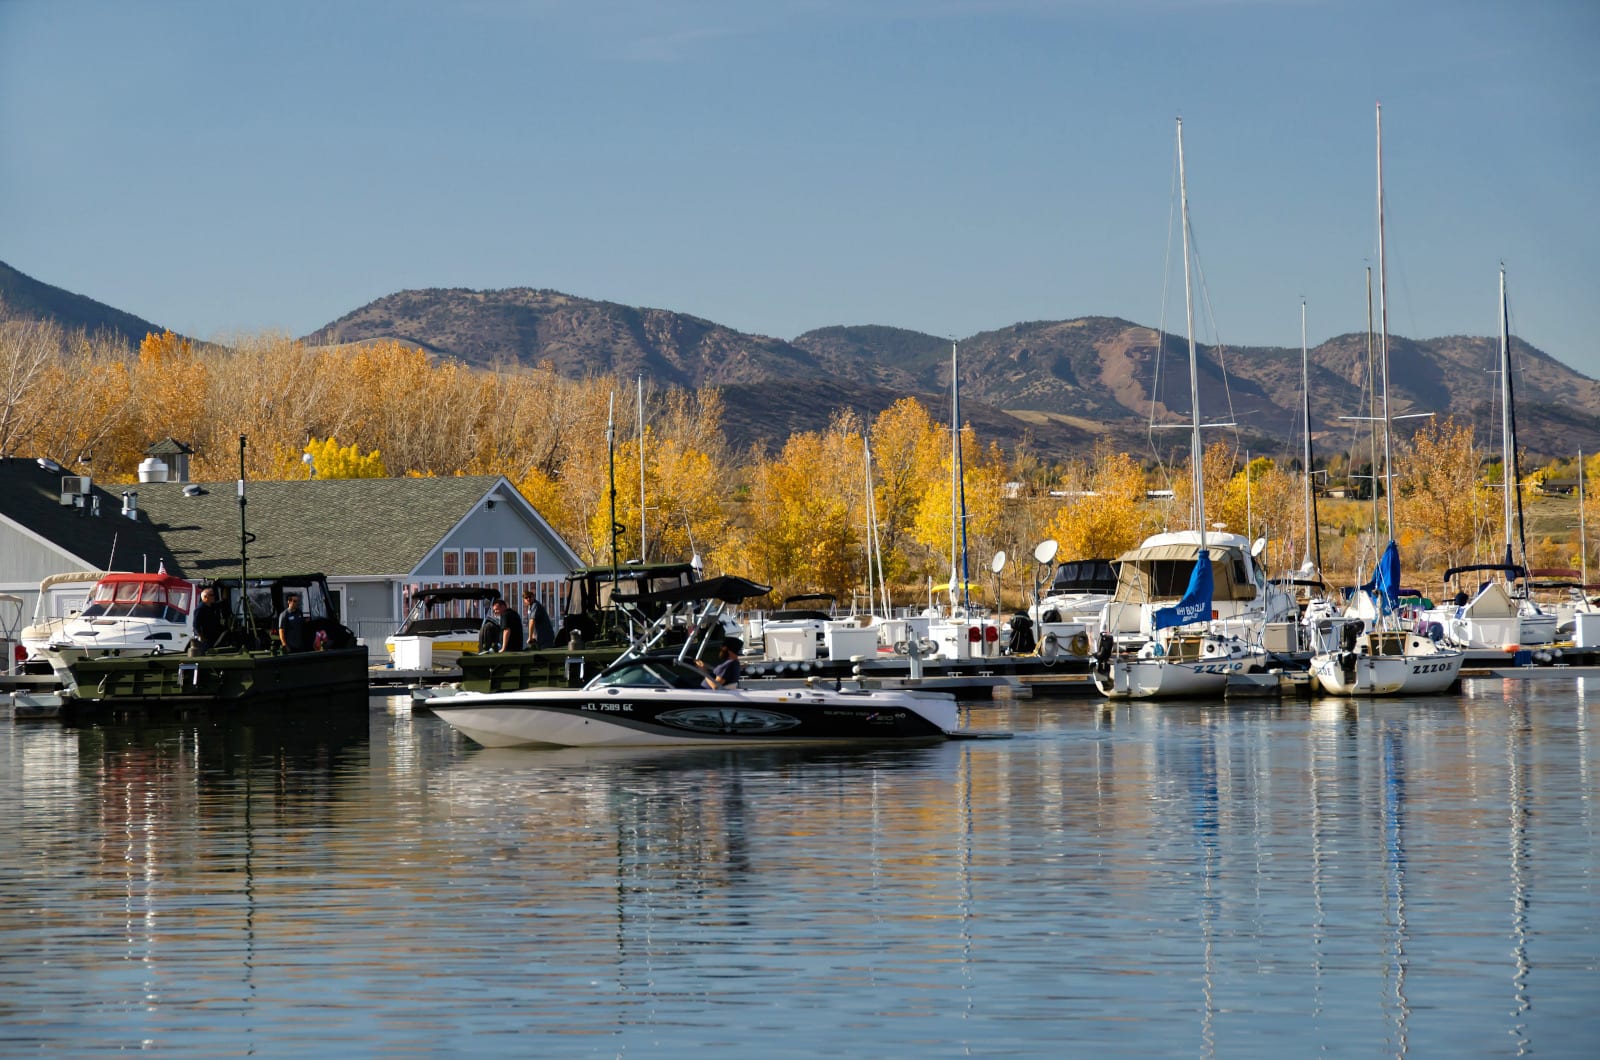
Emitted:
pixel 1059 383
pixel 22 295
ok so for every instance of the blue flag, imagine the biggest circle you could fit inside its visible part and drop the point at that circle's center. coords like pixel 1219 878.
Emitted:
pixel 1196 603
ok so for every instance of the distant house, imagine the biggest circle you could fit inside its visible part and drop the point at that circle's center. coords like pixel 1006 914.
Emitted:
pixel 377 540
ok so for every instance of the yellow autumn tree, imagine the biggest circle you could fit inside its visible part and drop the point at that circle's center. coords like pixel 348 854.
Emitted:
pixel 1440 495
pixel 801 534
pixel 1262 501
pixel 1103 514
pixel 1217 466
pixel 331 460
pixel 980 490
pixel 906 451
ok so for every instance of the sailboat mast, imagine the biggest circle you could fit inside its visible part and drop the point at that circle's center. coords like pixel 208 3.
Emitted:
pixel 1196 448
pixel 1305 391
pixel 1511 472
pixel 1383 343
pixel 643 556
pixel 1372 410
pixel 959 483
pixel 870 539
pixel 1583 536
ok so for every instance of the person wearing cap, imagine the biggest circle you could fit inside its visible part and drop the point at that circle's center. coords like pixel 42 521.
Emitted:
pixel 726 673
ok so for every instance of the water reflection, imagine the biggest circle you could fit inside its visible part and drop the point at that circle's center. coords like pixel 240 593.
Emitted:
pixel 1351 877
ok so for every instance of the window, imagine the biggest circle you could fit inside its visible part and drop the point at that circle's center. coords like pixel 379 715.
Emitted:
pixel 508 563
pixel 469 562
pixel 452 562
pixel 491 563
pixel 530 561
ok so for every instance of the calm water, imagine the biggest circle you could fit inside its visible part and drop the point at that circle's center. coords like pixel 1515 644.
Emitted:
pixel 1372 879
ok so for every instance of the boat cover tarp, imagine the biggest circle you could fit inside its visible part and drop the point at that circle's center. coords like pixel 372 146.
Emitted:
pixel 1163 572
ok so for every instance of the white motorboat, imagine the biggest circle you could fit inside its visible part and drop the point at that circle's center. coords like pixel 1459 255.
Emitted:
pixel 448 619
pixel 1066 618
pixel 645 699
pixel 61 597
pixel 127 614
pixel 655 701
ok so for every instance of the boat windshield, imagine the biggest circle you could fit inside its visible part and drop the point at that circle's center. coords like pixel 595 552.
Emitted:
pixel 168 603
pixel 652 673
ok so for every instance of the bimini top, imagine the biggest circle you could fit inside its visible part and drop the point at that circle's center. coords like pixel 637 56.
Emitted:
pixel 728 588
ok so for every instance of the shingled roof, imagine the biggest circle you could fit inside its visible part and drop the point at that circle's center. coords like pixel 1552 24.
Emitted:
pixel 30 497
pixel 349 527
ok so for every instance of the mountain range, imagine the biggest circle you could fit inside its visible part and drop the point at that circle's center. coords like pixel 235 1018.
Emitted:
pixel 1056 386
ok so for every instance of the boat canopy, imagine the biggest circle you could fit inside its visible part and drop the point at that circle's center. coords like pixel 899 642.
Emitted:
pixel 1512 570
pixel 1162 572
pixel 728 588
pixel 1085 576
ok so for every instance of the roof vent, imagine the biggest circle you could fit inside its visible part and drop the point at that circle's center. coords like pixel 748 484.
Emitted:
pixel 153 469
pixel 130 503
pixel 193 491
pixel 49 465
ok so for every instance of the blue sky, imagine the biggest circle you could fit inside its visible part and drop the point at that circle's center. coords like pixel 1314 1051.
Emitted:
pixel 782 165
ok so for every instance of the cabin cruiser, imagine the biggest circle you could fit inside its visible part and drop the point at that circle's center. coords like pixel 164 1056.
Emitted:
pixel 1164 638
pixel 127 614
pixel 1066 619
pixel 449 619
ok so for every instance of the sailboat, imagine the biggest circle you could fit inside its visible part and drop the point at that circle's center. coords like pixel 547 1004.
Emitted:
pixel 1383 658
pixel 1498 616
pixel 959 631
pixel 1190 606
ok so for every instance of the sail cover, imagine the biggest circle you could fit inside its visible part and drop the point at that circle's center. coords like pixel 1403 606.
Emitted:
pixel 1196 603
pixel 1385 581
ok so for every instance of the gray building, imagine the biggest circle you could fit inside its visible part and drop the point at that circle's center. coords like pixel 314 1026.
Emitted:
pixel 377 540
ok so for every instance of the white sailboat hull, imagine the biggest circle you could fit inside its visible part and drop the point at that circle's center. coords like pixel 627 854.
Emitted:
pixel 1355 674
pixel 1159 678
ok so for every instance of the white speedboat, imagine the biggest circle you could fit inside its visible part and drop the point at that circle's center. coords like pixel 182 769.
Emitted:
pixel 657 701
pixel 1066 619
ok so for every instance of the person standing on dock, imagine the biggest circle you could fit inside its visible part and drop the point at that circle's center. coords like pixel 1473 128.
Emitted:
pixel 207 621
pixel 543 633
pixel 292 624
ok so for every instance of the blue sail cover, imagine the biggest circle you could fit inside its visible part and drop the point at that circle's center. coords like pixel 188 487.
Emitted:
pixel 1196 603
pixel 1386 576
